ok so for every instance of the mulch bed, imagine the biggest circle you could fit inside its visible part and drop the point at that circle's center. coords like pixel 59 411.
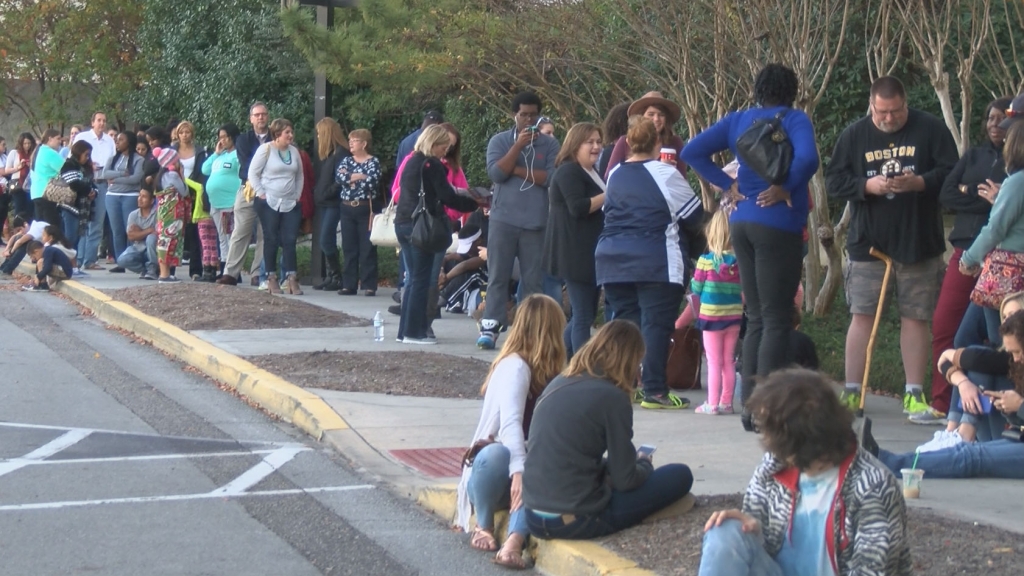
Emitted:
pixel 405 373
pixel 202 306
pixel 940 546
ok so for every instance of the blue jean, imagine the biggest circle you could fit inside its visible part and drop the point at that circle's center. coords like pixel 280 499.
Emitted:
pixel 15 258
pixel 664 486
pixel 360 267
pixel 118 209
pixel 989 426
pixel 980 326
pixel 23 205
pixel 329 217
pixel 729 551
pixel 140 260
pixel 583 300
pixel 89 245
pixel 419 265
pixel 996 459
pixel 280 230
pixel 653 306
pixel 488 489
pixel 551 287
pixel 69 223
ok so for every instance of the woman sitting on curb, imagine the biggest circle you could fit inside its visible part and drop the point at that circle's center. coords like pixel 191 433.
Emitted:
pixel 570 490
pixel 1002 458
pixel 492 478
pixel 817 504
pixel 970 372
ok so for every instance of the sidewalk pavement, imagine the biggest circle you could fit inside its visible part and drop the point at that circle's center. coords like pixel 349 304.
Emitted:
pixel 414 443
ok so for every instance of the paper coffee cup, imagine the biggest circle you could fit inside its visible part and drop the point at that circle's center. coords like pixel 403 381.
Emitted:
pixel 668 155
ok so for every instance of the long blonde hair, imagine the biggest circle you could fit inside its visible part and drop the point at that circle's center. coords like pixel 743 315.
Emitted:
pixel 329 137
pixel 1017 297
pixel 614 353
pixel 717 233
pixel 536 336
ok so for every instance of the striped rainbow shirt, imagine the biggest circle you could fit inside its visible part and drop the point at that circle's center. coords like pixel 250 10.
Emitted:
pixel 717 283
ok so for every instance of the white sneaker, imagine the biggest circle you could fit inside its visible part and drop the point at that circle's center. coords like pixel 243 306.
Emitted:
pixel 263 286
pixel 940 441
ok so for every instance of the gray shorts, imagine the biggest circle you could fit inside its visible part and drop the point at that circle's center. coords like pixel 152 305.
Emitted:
pixel 917 287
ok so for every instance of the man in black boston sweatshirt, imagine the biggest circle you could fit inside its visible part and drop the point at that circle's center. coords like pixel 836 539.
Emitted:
pixel 890 166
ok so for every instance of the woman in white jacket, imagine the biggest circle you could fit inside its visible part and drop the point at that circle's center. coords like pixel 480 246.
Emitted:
pixel 492 475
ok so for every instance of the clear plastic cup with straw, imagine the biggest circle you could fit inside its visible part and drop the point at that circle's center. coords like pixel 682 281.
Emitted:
pixel 912 478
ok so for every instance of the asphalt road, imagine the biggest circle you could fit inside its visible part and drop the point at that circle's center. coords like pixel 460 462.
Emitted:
pixel 115 460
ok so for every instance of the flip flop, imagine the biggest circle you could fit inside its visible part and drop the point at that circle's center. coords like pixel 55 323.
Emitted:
pixel 512 561
pixel 483 540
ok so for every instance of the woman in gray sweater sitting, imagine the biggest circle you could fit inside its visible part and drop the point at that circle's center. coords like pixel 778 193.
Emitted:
pixel 276 176
pixel 570 490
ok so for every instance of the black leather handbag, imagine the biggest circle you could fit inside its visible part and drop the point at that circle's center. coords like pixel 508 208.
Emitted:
pixel 765 148
pixel 431 232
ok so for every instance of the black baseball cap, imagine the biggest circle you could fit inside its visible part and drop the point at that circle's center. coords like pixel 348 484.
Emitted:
pixel 436 116
pixel 1014 112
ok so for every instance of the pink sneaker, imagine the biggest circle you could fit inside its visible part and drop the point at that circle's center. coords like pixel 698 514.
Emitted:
pixel 725 409
pixel 706 408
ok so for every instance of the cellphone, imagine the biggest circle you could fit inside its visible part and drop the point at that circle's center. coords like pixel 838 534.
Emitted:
pixel 985 401
pixel 646 450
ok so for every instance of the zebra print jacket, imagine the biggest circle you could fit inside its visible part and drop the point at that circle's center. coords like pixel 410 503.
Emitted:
pixel 867 535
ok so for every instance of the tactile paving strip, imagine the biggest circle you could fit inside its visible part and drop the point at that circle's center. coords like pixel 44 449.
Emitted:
pixel 432 462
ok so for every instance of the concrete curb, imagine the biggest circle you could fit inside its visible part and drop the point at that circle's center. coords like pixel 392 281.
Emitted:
pixel 314 416
pixel 295 405
pixel 563 557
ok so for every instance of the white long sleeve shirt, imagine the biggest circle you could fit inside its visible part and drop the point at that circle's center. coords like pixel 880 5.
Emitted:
pixel 281 182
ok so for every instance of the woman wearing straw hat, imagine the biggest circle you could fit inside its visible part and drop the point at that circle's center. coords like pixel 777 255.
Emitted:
pixel 664 113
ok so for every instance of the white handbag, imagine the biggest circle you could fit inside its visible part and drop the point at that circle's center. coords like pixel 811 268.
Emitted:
pixel 382 227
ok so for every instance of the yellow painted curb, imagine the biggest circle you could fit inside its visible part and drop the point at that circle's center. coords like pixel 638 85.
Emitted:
pixel 293 404
pixel 562 557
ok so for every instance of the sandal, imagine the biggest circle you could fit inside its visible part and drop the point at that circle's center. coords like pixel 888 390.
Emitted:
pixel 483 540
pixel 510 560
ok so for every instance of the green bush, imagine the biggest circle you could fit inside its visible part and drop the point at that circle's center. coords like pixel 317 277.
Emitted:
pixel 387 263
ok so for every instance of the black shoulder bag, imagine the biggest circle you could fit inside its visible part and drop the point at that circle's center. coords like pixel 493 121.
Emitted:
pixel 765 148
pixel 431 232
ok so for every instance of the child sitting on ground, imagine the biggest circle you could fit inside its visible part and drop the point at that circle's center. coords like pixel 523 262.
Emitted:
pixel 818 503
pixel 52 266
pixel 53 236
pixel 716 285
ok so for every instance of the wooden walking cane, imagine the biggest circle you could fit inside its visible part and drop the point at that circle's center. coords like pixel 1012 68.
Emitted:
pixel 874 328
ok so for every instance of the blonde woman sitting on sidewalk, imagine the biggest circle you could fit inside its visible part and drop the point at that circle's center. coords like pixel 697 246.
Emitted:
pixel 492 474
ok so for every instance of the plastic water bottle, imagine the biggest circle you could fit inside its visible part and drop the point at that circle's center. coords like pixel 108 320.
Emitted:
pixel 378 327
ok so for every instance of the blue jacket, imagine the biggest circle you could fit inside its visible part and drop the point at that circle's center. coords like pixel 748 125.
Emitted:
pixel 723 135
pixel 643 206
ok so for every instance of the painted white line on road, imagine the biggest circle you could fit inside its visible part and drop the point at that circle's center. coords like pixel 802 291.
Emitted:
pixel 125 433
pixel 148 457
pixel 177 498
pixel 270 463
pixel 66 440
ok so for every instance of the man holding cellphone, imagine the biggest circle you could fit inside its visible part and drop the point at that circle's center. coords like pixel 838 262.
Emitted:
pixel 890 166
pixel 518 162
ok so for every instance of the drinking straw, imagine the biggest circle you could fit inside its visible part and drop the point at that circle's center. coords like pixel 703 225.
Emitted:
pixel 916 456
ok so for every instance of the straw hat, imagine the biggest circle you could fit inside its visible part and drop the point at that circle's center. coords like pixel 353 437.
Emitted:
pixel 671 109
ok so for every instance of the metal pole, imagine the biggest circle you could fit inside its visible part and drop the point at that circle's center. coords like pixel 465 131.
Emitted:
pixel 321 108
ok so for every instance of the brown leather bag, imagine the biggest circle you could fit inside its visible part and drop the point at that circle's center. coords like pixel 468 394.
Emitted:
pixel 685 356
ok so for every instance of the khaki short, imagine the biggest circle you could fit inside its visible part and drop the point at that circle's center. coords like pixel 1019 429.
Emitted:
pixel 916 286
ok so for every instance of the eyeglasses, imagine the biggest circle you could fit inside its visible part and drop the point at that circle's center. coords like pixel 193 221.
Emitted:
pixel 260 114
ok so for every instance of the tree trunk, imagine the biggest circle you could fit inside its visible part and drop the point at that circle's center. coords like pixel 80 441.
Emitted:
pixel 834 276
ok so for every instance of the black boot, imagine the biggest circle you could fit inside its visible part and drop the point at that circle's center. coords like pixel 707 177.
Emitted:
pixel 209 274
pixel 333 281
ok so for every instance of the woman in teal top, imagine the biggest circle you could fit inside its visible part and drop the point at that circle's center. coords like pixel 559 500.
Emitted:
pixel 46 164
pixel 222 184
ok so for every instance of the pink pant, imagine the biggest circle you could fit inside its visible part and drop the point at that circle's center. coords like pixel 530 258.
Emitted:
pixel 720 349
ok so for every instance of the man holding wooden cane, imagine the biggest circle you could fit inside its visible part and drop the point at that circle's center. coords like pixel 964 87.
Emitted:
pixel 890 166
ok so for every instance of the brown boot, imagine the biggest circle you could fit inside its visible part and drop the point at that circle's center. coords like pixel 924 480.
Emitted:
pixel 293 285
pixel 272 286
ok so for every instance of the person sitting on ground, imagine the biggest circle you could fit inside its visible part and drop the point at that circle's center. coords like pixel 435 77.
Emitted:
pixel 1001 458
pixel 971 371
pixel 570 489
pixel 817 504
pixel 805 353
pixel 53 236
pixel 52 266
pixel 17 247
pixel 464 272
pixel 492 478
pixel 140 256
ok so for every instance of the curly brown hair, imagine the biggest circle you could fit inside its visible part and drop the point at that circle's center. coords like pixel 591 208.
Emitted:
pixel 1014 326
pixel 801 418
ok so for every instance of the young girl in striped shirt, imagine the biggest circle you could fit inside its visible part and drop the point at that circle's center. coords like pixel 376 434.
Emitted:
pixel 716 285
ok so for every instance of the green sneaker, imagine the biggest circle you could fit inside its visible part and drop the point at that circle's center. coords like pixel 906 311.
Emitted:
pixel 667 401
pixel 913 403
pixel 850 399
